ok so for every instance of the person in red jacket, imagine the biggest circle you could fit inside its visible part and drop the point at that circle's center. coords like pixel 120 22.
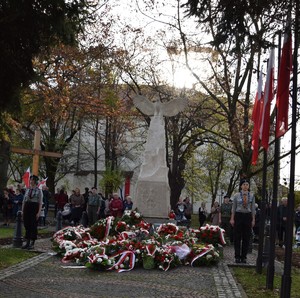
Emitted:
pixel 61 200
pixel 116 206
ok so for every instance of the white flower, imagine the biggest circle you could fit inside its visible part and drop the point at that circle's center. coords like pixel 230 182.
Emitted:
pixel 99 260
pixel 121 266
pixel 117 267
pixel 137 215
pixel 208 257
pixel 216 254
pixel 138 251
pixel 127 259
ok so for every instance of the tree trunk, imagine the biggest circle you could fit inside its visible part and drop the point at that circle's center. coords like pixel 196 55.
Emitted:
pixel 176 181
pixel 51 168
pixel 4 160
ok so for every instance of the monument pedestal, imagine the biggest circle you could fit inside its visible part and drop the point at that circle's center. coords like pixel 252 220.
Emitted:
pixel 152 198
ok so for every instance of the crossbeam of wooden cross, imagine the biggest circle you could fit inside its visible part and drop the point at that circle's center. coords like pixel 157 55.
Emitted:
pixel 36 152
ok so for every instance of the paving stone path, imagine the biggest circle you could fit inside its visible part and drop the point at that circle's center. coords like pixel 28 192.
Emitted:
pixel 45 276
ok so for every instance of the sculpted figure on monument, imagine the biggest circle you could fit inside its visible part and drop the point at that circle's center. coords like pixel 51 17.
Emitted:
pixel 154 166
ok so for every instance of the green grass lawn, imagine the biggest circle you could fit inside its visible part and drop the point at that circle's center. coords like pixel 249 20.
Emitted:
pixel 12 256
pixel 9 232
pixel 254 284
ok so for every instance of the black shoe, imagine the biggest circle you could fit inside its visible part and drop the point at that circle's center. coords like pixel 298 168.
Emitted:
pixel 26 245
pixel 237 260
pixel 244 261
pixel 31 245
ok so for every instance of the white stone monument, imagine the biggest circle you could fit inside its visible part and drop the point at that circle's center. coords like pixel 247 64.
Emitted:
pixel 152 193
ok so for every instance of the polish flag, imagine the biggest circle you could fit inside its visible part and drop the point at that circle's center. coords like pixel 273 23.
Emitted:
pixel 264 130
pixel 256 119
pixel 42 183
pixel 283 88
pixel 26 177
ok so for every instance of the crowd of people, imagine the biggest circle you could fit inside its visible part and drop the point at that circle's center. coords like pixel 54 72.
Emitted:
pixel 33 204
pixel 11 202
pixel 92 202
pixel 239 216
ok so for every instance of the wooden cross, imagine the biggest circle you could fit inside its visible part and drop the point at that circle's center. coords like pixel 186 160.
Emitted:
pixel 36 152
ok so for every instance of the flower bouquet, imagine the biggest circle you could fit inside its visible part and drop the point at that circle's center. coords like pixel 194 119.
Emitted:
pixel 210 234
pixel 167 229
pixel 165 258
pixel 121 226
pixel 102 227
pixel 72 237
pixel 202 254
pixel 132 217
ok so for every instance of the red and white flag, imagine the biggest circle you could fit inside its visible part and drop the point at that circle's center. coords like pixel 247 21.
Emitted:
pixel 42 183
pixel 264 130
pixel 283 87
pixel 26 177
pixel 256 119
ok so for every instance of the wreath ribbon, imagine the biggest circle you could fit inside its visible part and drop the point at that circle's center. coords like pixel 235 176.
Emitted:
pixel 150 251
pixel 108 226
pixel 123 255
pixel 204 252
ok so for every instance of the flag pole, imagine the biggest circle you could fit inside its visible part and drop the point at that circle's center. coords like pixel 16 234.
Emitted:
pixel 286 277
pixel 265 131
pixel 262 219
pixel 273 216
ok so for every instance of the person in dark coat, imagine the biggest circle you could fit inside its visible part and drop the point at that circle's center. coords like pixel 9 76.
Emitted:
pixel 224 218
pixel 256 226
pixel 7 207
pixel 127 203
pixel 202 214
pixel 297 219
pixel 281 221
pixel 77 203
pixel 18 200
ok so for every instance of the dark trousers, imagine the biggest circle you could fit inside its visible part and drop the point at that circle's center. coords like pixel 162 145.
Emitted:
pixel 242 234
pixel 281 235
pixel 30 222
pixel 92 214
pixel 225 224
pixel 76 214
